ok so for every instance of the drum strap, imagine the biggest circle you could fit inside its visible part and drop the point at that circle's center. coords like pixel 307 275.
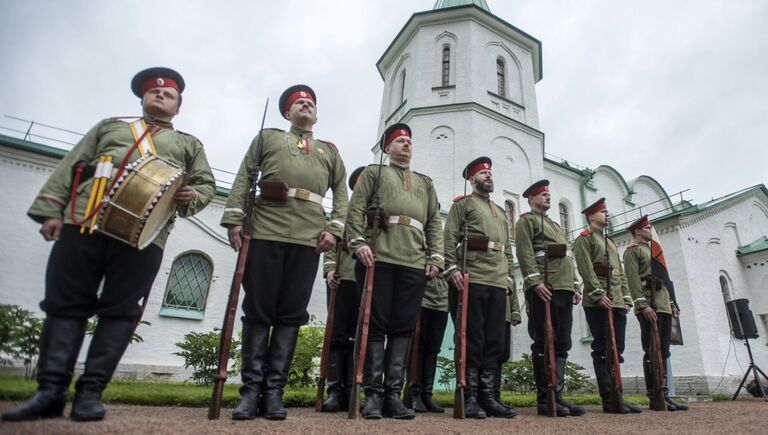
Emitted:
pixel 145 144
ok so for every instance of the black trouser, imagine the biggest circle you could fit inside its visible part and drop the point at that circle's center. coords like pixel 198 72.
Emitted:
pixel 486 317
pixel 597 319
pixel 344 315
pixel 397 293
pixel 79 262
pixel 507 353
pixel 278 283
pixel 433 323
pixel 664 322
pixel 561 309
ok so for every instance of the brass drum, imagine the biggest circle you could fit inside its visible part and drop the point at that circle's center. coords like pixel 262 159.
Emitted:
pixel 141 201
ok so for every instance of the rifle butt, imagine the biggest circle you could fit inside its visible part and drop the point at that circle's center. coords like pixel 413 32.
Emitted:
pixel 320 394
pixel 551 402
pixel 214 410
pixel 354 402
pixel 615 402
pixel 458 403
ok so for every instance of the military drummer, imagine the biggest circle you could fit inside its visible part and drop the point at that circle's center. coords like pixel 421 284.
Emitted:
pixel 289 231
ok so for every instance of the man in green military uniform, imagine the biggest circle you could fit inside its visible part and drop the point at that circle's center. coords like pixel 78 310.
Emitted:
pixel 638 267
pixel 491 275
pixel 434 319
pixel 590 252
pixel 409 248
pixel 289 231
pixel 538 239
pixel 79 261
pixel 341 277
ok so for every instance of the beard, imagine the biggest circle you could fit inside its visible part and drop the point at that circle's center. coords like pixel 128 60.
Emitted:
pixel 485 186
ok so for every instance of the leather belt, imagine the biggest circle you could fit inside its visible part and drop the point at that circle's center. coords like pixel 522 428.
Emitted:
pixel 406 220
pixel 305 195
pixel 497 246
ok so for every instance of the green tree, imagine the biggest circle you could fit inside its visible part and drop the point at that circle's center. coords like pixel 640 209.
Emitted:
pixel 447 370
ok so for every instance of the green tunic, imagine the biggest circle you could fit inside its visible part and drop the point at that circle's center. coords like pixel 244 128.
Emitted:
pixel 436 295
pixel 528 240
pixel 347 266
pixel 113 137
pixel 491 267
pixel 316 167
pixel 637 266
pixel 403 193
pixel 589 250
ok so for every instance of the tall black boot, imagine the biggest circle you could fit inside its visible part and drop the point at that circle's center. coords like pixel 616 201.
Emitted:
pixel 541 377
pixel 282 343
pixel 574 410
pixel 60 342
pixel 417 389
pixel 427 378
pixel 471 406
pixel 397 355
pixel 254 357
pixel 671 404
pixel 335 372
pixel 373 374
pixel 649 386
pixel 108 344
pixel 497 390
pixel 487 400
pixel 603 381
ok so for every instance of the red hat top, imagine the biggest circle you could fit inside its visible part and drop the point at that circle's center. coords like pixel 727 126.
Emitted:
pixel 595 207
pixel 157 77
pixel 640 223
pixel 294 93
pixel 476 166
pixel 536 188
pixel 393 132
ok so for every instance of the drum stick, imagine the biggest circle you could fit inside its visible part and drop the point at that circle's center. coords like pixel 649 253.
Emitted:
pixel 102 184
pixel 94 188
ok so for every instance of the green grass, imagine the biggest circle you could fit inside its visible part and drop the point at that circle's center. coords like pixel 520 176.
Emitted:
pixel 188 394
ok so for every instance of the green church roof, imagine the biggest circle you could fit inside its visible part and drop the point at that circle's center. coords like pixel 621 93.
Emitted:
pixel 443 4
pixel 758 245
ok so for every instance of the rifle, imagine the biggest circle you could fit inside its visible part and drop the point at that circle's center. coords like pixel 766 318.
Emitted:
pixel 615 399
pixel 364 316
pixel 460 348
pixel 325 356
pixel 413 369
pixel 225 339
pixel 549 336
pixel 658 402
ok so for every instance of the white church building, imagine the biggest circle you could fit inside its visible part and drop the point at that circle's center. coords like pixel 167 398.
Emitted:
pixel 465 81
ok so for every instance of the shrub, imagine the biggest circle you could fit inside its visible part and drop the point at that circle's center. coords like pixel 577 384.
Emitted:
pixel 201 352
pixel 519 374
pixel 447 372
pixel 305 367
pixel 135 338
pixel 19 337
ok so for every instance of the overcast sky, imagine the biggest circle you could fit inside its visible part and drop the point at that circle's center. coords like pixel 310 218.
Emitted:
pixel 677 90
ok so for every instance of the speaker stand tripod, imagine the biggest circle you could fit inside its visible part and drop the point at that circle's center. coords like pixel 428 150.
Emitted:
pixel 753 368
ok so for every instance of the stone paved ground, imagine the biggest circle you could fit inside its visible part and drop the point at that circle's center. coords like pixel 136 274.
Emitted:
pixel 744 416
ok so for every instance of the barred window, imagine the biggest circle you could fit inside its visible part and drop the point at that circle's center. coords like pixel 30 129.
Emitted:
pixel 501 77
pixel 509 207
pixel 446 65
pixel 186 293
pixel 402 86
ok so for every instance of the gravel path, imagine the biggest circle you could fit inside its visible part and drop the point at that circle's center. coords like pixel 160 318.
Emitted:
pixel 744 416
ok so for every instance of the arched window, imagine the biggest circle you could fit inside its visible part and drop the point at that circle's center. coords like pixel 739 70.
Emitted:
pixel 402 86
pixel 564 220
pixel 186 293
pixel 725 289
pixel 509 208
pixel 501 77
pixel 446 67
